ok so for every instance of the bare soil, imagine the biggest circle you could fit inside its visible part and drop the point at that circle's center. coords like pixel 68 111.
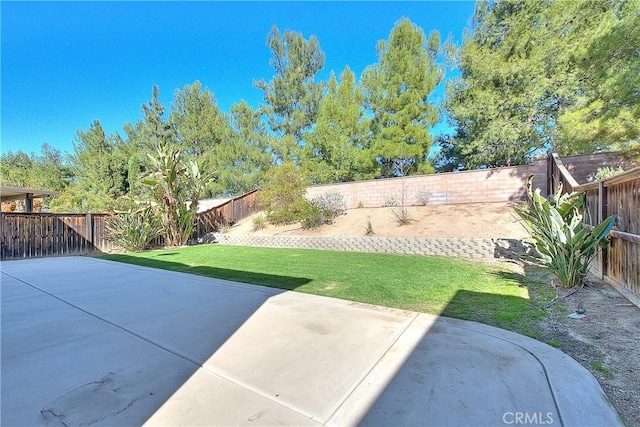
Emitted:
pixel 472 220
pixel 607 344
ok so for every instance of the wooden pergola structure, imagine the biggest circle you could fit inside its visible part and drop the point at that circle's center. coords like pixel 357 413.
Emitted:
pixel 8 194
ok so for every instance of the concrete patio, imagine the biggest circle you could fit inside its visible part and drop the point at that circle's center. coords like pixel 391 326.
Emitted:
pixel 88 341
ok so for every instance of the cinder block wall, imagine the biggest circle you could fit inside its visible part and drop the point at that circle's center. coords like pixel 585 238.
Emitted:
pixel 468 248
pixel 477 186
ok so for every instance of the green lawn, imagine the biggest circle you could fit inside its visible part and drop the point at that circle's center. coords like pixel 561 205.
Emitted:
pixel 490 294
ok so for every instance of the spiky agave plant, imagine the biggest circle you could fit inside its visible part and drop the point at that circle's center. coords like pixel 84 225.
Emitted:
pixel 134 229
pixel 566 245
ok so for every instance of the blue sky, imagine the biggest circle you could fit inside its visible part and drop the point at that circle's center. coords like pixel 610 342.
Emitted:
pixel 66 64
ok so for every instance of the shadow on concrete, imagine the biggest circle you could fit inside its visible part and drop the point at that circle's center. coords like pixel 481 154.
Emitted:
pixel 440 371
pixel 450 377
pixel 85 335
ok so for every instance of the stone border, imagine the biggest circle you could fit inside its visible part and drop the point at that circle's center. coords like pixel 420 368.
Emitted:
pixel 468 248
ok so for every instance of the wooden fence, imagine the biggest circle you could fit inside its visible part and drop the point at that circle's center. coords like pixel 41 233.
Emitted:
pixel 557 174
pixel 619 263
pixel 228 213
pixel 27 235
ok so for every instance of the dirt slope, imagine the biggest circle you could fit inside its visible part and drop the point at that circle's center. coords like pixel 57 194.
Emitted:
pixel 470 220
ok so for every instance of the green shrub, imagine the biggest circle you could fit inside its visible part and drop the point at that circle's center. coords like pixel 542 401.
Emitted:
pixel 322 210
pixel 176 185
pixel 259 222
pixel 134 230
pixel 314 215
pixel 282 194
pixel 565 244
pixel 225 227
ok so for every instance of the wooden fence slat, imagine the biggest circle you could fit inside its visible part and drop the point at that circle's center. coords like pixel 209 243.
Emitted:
pixel 228 213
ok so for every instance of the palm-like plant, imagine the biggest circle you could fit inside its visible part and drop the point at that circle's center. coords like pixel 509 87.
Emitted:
pixel 565 244
pixel 177 186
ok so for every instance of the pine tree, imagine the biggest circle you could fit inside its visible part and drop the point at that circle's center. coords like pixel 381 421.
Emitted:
pixel 292 96
pixel 397 93
pixel 540 76
pixel 337 149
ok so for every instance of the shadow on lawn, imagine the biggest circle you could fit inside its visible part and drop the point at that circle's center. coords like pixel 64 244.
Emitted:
pixel 289 283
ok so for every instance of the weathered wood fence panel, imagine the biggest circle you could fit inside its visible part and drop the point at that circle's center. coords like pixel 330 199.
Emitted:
pixel 27 235
pixel 228 213
pixel 619 263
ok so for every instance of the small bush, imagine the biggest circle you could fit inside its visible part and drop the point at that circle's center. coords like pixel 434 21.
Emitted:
pixel 134 230
pixel 390 201
pixel 225 227
pixel 422 197
pixel 259 222
pixel 314 216
pixel 368 229
pixel 332 201
pixel 401 214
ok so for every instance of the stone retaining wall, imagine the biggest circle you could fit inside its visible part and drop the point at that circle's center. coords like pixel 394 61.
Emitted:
pixel 469 248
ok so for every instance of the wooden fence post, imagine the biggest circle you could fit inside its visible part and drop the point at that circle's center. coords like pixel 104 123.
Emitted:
pixel 89 233
pixel 549 175
pixel 602 214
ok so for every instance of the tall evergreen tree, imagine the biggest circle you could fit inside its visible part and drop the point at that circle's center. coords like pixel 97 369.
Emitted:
pixel 247 157
pixel 397 93
pixel 100 175
pixel 196 120
pixel 98 166
pixel 337 149
pixel 539 76
pixel 604 51
pixel 143 140
pixel 46 170
pixel 292 96
pixel 17 170
pixel 493 103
